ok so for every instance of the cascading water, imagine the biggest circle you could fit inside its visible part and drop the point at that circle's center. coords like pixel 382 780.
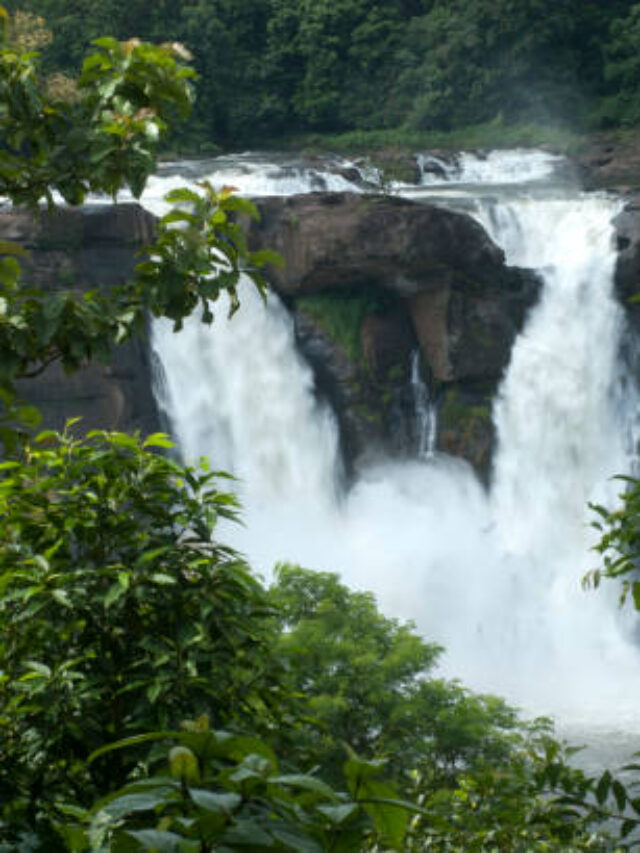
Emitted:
pixel 425 411
pixel 493 167
pixel 495 578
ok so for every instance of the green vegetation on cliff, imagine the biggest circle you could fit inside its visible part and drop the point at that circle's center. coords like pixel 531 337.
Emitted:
pixel 340 315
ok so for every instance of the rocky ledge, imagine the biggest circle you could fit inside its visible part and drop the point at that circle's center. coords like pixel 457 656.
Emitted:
pixel 372 282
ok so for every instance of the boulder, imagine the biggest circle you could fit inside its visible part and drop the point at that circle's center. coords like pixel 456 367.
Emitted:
pixel 372 278
pixel 335 240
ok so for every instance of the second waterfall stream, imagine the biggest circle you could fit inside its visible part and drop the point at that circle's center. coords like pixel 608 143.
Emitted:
pixel 494 577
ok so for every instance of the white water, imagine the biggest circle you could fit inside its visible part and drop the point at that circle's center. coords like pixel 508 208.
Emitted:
pixel 259 175
pixel 425 412
pixel 495 578
pixel 494 167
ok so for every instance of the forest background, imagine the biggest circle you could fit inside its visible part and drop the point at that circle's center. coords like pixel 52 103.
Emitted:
pixel 273 71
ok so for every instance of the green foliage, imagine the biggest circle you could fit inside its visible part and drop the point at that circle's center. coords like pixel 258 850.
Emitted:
pixel 217 790
pixel 340 315
pixel 102 140
pixel 270 68
pixel 366 681
pixel 493 134
pixel 537 803
pixel 199 253
pixel 619 545
pixel 621 71
pixel 119 610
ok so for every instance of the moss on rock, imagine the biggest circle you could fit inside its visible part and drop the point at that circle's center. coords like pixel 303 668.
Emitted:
pixel 466 428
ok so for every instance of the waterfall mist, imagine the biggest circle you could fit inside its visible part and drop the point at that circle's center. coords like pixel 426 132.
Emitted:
pixel 494 576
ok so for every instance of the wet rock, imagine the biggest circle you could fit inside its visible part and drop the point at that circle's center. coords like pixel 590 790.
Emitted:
pixel 369 279
pixel 609 162
pixel 335 240
pixel 627 273
pixel 436 269
pixel 366 384
pixel 465 425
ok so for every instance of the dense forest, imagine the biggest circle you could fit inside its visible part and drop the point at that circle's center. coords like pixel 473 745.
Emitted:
pixel 273 68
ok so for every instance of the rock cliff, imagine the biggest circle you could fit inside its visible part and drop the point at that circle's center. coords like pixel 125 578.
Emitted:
pixel 88 247
pixel 370 280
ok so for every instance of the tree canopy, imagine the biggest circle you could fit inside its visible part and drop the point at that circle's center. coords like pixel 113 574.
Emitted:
pixel 274 67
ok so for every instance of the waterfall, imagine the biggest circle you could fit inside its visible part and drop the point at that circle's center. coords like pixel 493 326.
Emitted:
pixel 494 577
pixel 560 416
pixel 425 411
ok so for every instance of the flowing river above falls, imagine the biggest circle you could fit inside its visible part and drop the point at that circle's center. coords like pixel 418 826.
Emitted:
pixel 493 576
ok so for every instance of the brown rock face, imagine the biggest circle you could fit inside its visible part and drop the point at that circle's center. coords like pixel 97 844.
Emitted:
pixel 88 247
pixel 428 277
pixel 627 276
pixel 333 240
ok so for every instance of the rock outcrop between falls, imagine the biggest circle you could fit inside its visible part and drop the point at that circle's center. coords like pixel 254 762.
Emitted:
pixel 370 281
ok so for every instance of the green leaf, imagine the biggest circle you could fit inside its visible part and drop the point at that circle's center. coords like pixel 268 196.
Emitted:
pixel 158 439
pixel 603 787
pixel 266 256
pixel 224 804
pixel 30 416
pixel 248 833
pixel 184 764
pixel 138 802
pixel 306 783
pixel 182 195
pixel 62 597
pixel 241 205
pixel 157 841
pixel 154 691
pixel 620 794
pixel 339 814
pixel 115 591
pixel 39 668
pixel 125 743
pixel 180 216
pixel 163 579
pixel 357 770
